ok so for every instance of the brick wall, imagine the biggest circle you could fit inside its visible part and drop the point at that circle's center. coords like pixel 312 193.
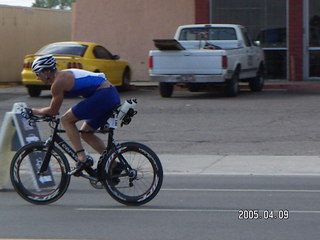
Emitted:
pixel 202 11
pixel 295 38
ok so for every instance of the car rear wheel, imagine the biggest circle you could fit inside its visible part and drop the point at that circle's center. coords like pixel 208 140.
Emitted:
pixel 125 86
pixel 34 91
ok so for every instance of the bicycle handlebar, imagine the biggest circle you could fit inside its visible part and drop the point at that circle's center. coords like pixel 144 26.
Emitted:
pixel 28 114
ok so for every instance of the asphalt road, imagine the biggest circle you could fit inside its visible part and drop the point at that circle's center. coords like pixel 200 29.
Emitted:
pixel 188 207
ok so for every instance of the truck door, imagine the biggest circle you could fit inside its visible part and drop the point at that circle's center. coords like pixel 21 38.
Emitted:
pixel 250 61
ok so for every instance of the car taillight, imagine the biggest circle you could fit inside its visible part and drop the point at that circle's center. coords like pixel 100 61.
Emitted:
pixel 74 65
pixel 150 62
pixel 224 62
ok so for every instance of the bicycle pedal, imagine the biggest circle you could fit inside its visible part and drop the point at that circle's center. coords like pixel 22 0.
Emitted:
pixel 75 172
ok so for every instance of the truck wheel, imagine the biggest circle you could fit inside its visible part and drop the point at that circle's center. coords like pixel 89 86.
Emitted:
pixel 256 84
pixel 232 87
pixel 166 89
pixel 34 91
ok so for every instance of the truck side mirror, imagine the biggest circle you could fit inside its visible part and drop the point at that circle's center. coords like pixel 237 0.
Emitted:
pixel 257 43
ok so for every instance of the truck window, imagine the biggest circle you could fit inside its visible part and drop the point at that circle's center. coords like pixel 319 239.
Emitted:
pixel 217 33
pixel 246 38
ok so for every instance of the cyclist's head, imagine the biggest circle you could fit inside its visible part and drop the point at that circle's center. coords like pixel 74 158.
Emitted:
pixel 44 63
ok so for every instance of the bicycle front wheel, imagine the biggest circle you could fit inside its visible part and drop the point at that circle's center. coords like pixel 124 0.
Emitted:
pixel 36 188
pixel 132 174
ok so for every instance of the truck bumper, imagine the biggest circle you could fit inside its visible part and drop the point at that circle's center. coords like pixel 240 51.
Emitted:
pixel 189 78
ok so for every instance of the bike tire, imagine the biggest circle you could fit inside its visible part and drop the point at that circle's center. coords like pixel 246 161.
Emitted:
pixel 35 188
pixel 147 170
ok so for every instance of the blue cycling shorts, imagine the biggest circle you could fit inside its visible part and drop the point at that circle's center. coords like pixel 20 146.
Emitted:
pixel 96 109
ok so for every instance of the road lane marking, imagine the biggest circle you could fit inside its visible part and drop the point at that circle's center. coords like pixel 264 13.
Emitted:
pixel 156 210
pixel 238 190
pixel 236 211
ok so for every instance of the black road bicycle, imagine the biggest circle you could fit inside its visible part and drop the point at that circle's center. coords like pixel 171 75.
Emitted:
pixel 130 172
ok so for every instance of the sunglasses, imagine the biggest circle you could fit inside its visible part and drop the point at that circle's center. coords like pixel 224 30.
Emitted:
pixel 39 73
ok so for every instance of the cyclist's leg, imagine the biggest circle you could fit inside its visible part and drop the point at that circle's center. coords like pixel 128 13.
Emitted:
pixel 68 121
pixel 94 141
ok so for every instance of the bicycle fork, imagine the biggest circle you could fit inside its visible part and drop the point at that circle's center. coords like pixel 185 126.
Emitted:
pixel 46 159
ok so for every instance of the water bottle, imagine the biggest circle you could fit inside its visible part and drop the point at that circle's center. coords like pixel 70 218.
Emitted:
pixel 130 103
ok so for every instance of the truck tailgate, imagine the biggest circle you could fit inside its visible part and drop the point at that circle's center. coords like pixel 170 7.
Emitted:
pixel 187 62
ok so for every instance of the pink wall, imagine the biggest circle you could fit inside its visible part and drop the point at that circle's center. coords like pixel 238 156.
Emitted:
pixel 128 27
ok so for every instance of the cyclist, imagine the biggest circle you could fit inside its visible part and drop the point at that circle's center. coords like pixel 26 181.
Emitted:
pixel 100 99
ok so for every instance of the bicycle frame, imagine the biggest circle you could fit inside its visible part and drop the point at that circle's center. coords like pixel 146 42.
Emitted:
pixel 93 175
pixel 56 138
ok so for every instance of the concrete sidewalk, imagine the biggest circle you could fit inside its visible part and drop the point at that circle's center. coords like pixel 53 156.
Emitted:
pixel 240 165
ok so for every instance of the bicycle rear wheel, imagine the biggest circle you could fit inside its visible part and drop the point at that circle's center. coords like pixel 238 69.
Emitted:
pixel 37 188
pixel 132 174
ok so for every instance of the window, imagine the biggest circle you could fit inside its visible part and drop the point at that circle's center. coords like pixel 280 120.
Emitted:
pixel 67 49
pixel 209 33
pixel 314 32
pixel 314 38
pixel 101 53
pixel 246 37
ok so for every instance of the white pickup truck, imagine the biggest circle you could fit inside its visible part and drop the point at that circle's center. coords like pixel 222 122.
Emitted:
pixel 206 56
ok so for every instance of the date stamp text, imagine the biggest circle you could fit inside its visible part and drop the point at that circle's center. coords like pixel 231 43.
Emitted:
pixel 254 214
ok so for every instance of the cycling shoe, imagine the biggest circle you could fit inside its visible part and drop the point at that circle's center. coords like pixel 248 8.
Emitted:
pixel 77 171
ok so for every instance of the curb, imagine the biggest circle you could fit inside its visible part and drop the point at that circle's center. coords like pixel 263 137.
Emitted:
pixel 8 85
pixel 269 85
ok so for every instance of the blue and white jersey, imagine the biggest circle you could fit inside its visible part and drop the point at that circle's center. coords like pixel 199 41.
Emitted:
pixel 86 83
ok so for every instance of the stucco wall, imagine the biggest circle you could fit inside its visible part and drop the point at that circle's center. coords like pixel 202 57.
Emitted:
pixel 23 31
pixel 128 27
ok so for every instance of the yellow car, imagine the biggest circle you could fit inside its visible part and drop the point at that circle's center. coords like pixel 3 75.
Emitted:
pixel 85 55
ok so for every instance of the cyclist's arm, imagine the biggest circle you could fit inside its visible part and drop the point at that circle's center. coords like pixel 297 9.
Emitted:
pixel 57 91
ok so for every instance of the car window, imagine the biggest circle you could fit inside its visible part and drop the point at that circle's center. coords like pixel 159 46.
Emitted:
pixel 101 53
pixel 217 33
pixel 68 49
